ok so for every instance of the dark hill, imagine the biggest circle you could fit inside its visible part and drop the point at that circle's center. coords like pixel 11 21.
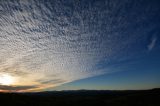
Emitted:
pixel 83 98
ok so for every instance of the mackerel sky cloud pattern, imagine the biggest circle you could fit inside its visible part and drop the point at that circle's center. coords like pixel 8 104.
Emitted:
pixel 47 43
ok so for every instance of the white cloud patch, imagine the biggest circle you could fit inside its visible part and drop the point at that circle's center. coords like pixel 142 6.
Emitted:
pixel 152 43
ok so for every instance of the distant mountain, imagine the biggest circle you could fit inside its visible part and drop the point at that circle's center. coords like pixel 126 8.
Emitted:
pixel 83 97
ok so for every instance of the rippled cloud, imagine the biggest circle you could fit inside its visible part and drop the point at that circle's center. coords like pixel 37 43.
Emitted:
pixel 48 43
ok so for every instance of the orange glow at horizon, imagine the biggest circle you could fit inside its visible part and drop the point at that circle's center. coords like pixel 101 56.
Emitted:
pixel 15 83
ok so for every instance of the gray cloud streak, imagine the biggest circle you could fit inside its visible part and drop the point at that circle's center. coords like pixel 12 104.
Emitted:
pixel 152 43
pixel 16 88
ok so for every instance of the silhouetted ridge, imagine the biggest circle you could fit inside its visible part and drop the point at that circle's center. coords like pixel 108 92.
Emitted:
pixel 84 97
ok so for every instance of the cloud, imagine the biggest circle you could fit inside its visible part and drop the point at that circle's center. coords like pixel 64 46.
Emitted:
pixel 15 88
pixel 152 43
pixel 55 42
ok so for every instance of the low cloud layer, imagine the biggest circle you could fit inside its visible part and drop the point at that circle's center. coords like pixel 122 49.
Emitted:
pixel 15 88
pixel 57 41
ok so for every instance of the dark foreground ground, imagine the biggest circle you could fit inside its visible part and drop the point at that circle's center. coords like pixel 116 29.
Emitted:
pixel 83 98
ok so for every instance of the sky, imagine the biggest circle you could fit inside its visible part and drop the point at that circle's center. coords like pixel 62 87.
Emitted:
pixel 50 45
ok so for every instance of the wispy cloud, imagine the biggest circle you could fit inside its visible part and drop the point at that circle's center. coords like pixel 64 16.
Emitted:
pixel 152 43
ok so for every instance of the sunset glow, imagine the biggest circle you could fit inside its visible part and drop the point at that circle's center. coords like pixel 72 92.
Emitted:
pixel 6 79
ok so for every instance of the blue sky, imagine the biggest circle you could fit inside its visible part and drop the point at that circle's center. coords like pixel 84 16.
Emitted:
pixel 79 44
pixel 143 73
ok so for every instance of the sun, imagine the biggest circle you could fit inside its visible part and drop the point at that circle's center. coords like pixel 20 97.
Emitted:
pixel 6 79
